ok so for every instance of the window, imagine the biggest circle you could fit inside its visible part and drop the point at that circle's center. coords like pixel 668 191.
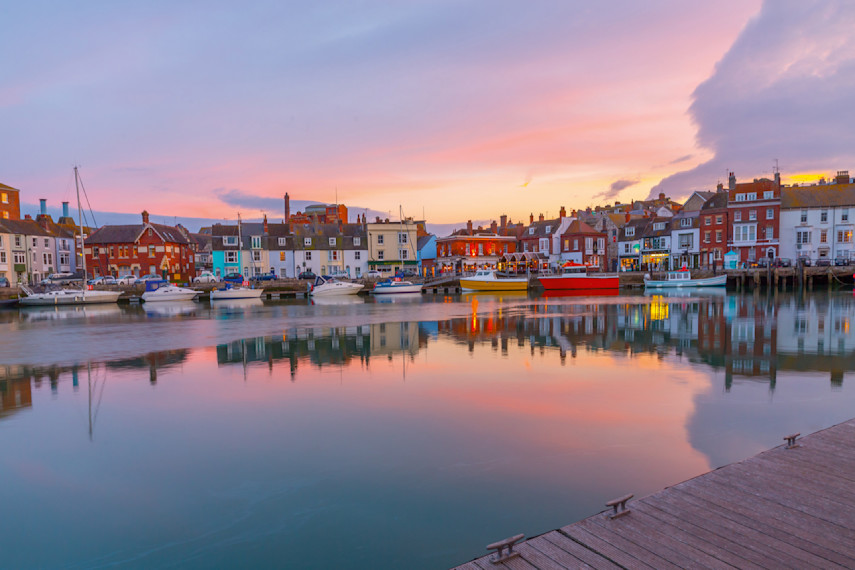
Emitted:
pixel 686 223
pixel 230 240
pixel 548 229
pixel 2 257
pixel 308 255
pixel 357 241
pixel 823 216
pixel 770 214
pixel 151 251
pixel 804 217
pixel 531 231
pixel 256 242
pixel 575 245
pixel 19 257
pixel 256 256
pixel 6 215
pixel 35 242
pixel 95 252
pixel 844 216
pixel 307 242
pixel 381 254
pixel 380 239
pixel 332 255
pixel 544 244
pixel 4 197
pixel 752 215
pixel 589 244
pixel 480 249
pixel 717 255
pixel 751 196
pixel 803 237
pixel 47 242
pixel 332 241
pixel 844 236
pixel 740 197
pixel 707 237
pixel 770 232
pixel 718 219
pixel 283 241
pixel 64 259
pixel 404 254
pixel 686 241
pixel 48 259
pixel 17 241
pixel 823 236
pixel 566 244
pixel 768 194
pixel 737 216
pixel 402 237
pixel 659 226
pixel 718 236
pixel 745 232
pixel 707 220
pixel 357 255
pixel 601 244
pixel 630 231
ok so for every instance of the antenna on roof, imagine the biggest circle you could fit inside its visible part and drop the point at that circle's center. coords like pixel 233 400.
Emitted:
pixel 776 170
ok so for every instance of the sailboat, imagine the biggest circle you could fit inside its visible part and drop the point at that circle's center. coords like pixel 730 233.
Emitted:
pixel 82 296
pixel 229 291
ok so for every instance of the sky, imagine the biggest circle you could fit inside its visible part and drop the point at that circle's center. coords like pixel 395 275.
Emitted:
pixel 444 110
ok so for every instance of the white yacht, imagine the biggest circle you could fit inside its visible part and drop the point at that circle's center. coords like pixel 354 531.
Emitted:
pixel 231 292
pixel 155 292
pixel 68 297
pixel 326 286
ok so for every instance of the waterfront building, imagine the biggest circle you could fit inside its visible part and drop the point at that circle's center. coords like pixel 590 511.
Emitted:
pixel 816 220
pixel 656 244
pixel 140 249
pixel 261 248
pixel 685 251
pixel 426 251
pixel 333 249
pixel 610 224
pixel 10 203
pixel 471 249
pixel 714 229
pixel 580 243
pixel 392 245
pixel 65 239
pixel 544 237
pixel 696 201
pixel 31 251
pixel 629 243
pixel 754 214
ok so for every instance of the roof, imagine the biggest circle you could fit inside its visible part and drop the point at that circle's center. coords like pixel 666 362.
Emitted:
pixel 666 230
pixel 5 187
pixel 23 227
pixel 719 200
pixel 424 240
pixel 580 227
pixel 826 195
pixel 131 232
pixel 540 228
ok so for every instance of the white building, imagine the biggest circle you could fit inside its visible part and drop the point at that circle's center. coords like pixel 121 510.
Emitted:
pixel 816 221
pixel 685 240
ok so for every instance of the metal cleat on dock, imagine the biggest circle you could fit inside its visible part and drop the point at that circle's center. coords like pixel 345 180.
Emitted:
pixel 619 506
pixel 791 440
pixel 499 547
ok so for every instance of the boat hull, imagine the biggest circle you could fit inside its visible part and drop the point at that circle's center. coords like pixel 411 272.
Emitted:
pixel 336 289
pixel 237 293
pixel 494 284
pixel 717 281
pixel 176 294
pixel 581 282
pixel 68 297
pixel 396 289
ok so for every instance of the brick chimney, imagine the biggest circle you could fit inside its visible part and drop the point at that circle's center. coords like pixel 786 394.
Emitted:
pixel 573 214
pixel 531 218
pixel 627 217
pixel 540 218
pixel 469 227
pixel 144 217
pixel 662 196
pixel 720 187
pixel 562 213
pixel 842 177
pixel 287 208
pixel 265 224
pixel 494 227
pixel 731 181
pixel 503 221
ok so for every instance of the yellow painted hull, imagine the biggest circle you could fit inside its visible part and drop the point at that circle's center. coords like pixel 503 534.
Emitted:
pixel 494 285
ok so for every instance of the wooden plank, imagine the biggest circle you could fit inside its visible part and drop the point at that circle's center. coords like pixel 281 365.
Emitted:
pixel 538 559
pixel 771 543
pixel 659 537
pixel 632 548
pixel 721 536
pixel 572 548
pixel 820 481
pixel 699 538
pixel 604 548
pixel 801 531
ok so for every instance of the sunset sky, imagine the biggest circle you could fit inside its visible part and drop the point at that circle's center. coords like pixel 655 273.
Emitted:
pixel 455 109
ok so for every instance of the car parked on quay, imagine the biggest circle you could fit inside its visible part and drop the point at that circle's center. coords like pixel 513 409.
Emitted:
pixel 233 278
pixel 103 280
pixel 206 277
pixel 373 274
pixel 263 277
pixel 150 278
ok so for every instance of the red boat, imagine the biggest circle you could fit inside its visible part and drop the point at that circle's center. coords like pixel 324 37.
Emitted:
pixel 575 276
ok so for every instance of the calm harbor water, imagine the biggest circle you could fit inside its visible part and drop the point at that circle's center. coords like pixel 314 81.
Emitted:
pixel 406 434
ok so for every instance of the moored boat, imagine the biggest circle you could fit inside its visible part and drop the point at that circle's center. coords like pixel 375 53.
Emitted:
pixel 232 292
pixel 68 297
pixel 395 286
pixel 575 276
pixel 326 286
pixel 683 278
pixel 158 292
pixel 487 280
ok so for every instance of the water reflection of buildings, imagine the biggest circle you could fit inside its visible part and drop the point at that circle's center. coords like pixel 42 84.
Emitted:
pixel 325 347
pixel 738 334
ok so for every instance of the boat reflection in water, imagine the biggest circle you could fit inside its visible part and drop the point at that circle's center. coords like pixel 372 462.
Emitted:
pixel 338 300
pixel 412 297
pixel 62 312
pixel 170 308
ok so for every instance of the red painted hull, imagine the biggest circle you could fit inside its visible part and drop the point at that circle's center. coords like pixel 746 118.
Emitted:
pixel 586 282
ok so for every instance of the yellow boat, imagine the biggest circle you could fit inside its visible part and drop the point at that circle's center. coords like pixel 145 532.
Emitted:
pixel 486 280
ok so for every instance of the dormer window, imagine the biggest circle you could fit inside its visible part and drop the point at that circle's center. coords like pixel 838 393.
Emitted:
pixel 768 194
pixel 332 241
pixel 686 222
pixel 659 226
pixel 357 241
pixel 531 231
pixel 630 231
pixel 229 240
pixel 548 229
pixel 307 242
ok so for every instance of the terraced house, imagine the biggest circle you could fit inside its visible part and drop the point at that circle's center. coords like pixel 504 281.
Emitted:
pixel 29 251
pixel 140 249
pixel 392 246
pixel 333 249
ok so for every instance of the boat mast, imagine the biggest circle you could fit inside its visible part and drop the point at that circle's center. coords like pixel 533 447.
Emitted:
pixel 80 221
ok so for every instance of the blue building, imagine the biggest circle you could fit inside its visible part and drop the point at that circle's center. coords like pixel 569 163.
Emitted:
pixel 426 254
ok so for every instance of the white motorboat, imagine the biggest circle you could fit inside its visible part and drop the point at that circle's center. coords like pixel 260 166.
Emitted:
pixel 231 292
pixel 68 297
pixel 155 292
pixel 395 286
pixel 326 286
pixel 683 278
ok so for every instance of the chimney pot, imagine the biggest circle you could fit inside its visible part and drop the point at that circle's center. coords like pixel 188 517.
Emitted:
pixel 65 209
pixel 531 218
pixel 144 217
pixel 540 217
pixel 42 206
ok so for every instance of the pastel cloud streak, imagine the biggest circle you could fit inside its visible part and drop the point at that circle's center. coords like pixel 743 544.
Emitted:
pixel 445 106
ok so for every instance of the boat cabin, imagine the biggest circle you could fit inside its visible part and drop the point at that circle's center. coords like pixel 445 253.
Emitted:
pixel 484 273
pixel 678 276
pixel 571 268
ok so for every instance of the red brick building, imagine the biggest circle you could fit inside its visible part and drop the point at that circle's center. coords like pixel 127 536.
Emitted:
pixel 140 249
pixel 714 230
pixel 10 203
pixel 581 243
pixel 754 211
pixel 469 249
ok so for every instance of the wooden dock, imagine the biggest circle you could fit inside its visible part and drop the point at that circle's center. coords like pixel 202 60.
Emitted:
pixel 789 507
